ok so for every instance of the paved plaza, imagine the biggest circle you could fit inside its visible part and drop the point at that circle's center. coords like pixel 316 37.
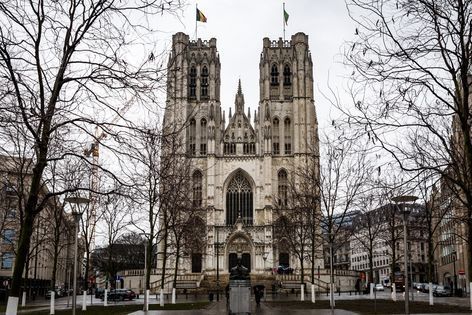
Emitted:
pixel 220 307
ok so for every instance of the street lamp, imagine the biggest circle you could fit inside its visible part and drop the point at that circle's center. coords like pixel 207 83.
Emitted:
pixel 146 304
pixel 77 215
pixel 454 287
pixel 217 264
pixel 404 200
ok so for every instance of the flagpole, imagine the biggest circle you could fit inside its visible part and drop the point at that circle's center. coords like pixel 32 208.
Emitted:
pixel 283 19
pixel 196 22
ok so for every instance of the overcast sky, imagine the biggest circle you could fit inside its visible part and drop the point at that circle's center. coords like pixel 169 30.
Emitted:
pixel 239 27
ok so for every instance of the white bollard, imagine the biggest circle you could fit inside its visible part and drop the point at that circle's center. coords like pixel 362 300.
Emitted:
pixel 394 293
pixel 53 295
pixel 161 298
pixel 470 294
pixel 147 299
pixel 173 295
pixel 371 291
pixel 302 292
pixel 12 305
pixel 23 299
pixel 313 297
pixel 84 301
pixel 431 301
pixel 105 298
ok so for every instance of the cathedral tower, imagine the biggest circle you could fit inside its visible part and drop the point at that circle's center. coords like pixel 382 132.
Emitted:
pixel 193 92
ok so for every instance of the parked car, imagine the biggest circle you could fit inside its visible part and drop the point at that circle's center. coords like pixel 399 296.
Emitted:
pixel 418 286
pixel 59 293
pixel 120 295
pixel 379 287
pixel 441 290
pixel 425 287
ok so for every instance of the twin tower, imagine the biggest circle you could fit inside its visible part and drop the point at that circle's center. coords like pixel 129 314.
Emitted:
pixel 241 162
pixel 285 121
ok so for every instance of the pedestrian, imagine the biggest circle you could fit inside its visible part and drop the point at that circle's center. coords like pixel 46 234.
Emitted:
pixel 257 295
pixel 358 286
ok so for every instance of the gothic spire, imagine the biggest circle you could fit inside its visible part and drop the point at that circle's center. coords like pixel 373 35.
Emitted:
pixel 239 99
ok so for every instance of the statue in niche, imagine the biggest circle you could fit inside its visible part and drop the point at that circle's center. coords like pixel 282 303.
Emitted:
pixel 239 272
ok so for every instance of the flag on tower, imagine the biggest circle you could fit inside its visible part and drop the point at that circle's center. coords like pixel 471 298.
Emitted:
pixel 201 17
pixel 286 17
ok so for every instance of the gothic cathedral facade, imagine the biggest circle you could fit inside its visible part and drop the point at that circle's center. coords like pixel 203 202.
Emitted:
pixel 241 163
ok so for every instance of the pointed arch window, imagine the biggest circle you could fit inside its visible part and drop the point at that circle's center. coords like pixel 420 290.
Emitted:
pixel 239 201
pixel 287 136
pixel 203 136
pixel 287 75
pixel 197 179
pixel 192 136
pixel 275 136
pixel 282 188
pixel 204 82
pixel 192 82
pixel 274 75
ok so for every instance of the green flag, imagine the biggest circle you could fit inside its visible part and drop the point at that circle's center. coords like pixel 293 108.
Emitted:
pixel 286 17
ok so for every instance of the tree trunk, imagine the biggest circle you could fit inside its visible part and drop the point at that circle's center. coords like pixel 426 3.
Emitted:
pixel 148 265
pixel 54 267
pixel 177 256
pixel 23 249
pixel 164 259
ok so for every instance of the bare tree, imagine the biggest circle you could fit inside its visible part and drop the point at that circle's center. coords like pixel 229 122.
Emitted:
pixel 114 221
pixel 368 228
pixel 344 173
pixel 411 88
pixel 64 67
pixel 297 207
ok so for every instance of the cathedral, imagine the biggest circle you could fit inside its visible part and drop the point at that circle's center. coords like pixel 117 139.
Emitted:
pixel 242 162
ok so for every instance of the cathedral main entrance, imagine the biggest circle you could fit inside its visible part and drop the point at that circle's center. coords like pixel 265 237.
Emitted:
pixel 239 247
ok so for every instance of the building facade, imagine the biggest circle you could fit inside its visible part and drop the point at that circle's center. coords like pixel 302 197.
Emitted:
pixel 241 165
pixel 15 177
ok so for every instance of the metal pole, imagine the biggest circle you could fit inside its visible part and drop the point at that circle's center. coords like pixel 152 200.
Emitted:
pixel 217 265
pixel 411 282
pixel 145 306
pixel 407 297
pixel 331 295
pixel 454 288
pixel 74 294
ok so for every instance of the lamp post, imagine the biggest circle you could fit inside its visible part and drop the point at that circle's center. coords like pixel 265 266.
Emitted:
pixel 404 200
pixel 146 304
pixel 217 264
pixel 77 215
pixel 454 258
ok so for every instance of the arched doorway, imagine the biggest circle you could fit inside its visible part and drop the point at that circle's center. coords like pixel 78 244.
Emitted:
pixel 239 200
pixel 239 247
pixel 194 234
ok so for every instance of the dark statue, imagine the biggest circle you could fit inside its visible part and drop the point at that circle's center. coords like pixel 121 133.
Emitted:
pixel 239 272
